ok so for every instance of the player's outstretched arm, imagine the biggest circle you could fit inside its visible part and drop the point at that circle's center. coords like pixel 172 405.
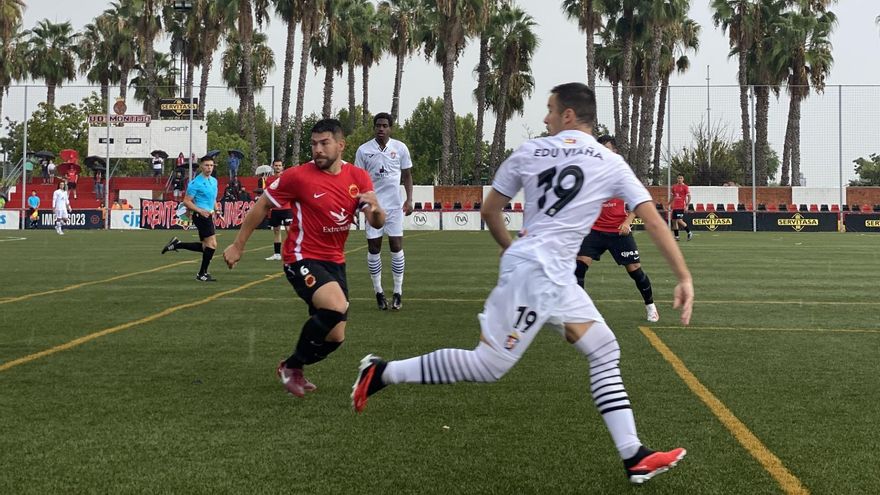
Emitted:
pixel 370 206
pixel 491 209
pixel 657 229
pixel 255 216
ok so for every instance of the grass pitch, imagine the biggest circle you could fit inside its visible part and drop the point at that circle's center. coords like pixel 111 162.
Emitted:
pixel 119 373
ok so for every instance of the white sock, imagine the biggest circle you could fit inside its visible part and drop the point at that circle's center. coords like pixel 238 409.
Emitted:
pixel 374 264
pixel 606 386
pixel 449 366
pixel 398 262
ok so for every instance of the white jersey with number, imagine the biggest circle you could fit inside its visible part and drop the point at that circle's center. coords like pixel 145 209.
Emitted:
pixel 565 179
pixel 384 166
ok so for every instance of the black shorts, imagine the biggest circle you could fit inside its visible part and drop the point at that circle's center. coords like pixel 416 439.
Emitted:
pixel 678 214
pixel 280 218
pixel 205 225
pixel 307 276
pixel 71 186
pixel 622 247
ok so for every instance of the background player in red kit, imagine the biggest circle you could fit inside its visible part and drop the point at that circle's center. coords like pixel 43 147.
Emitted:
pixel 325 195
pixel 681 197
pixel 612 232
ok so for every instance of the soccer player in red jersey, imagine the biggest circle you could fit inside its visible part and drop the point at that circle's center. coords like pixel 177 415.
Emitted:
pixel 681 197
pixel 325 195
pixel 278 217
pixel 612 232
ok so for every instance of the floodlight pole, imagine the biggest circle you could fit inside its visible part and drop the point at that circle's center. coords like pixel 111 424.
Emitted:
pixel 840 153
pixel 190 131
pixel 754 184
pixel 107 210
pixel 24 158
pixel 709 124
pixel 272 128
pixel 669 153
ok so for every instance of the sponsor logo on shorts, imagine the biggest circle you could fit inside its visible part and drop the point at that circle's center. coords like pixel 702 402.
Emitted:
pixel 797 222
pixel 627 254
pixel 310 280
pixel 511 341
pixel 712 221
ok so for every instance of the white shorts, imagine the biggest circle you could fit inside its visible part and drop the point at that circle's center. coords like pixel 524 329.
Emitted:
pixel 393 225
pixel 61 214
pixel 524 300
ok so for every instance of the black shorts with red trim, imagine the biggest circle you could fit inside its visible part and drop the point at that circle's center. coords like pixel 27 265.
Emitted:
pixel 280 218
pixel 307 276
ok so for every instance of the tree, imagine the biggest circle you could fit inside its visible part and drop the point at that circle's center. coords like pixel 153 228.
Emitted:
pixel 330 48
pixel 374 34
pixel 408 18
pixel 262 62
pixel 733 16
pixel 145 19
pixel 122 39
pixel 311 15
pixel 868 170
pixel 451 22
pixel 486 32
pixel 166 80
pixel 512 46
pixel 51 55
pixel 287 11
pixel 10 32
pixel 52 128
pixel 95 51
pixel 211 20
pixel 586 14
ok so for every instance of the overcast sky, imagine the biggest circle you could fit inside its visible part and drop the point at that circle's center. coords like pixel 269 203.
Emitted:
pixel 561 58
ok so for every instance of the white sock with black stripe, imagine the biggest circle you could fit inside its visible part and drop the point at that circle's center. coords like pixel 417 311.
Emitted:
pixel 449 366
pixel 374 264
pixel 606 386
pixel 398 262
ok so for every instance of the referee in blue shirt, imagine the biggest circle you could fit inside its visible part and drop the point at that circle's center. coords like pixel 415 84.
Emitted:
pixel 200 199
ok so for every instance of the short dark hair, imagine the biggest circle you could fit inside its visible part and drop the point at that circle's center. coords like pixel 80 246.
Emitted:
pixel 578 97
pixel 605 139
pixel 278 160
pixel 383 115
pixel 206 158
pixel 329 125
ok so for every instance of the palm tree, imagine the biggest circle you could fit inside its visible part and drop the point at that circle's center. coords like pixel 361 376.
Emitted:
pixel 586 13
pixel 354 29
pixel 519 87
pixel 609 65
pixel 145 19
pixel 677 41
pixel 242 13
pixel 512 46
pixel 262 62
pixel 485 28
pixel 374 36
pixel 10 32
pixel 408 18
pixel 764 76
pixel 51 55
pixel 166 80
pixel 122 39
pixel 451 21
pixel 733 16
pixel 330 48
pixel 802 50
pixel 287 11
pixel 663 15
pixel 212 22
pixel 311 15
pixel 95 51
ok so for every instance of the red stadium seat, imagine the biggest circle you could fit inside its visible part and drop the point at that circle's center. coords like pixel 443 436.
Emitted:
pixel 731 207
pixel 447 205
pixel 835 208
pixel 467 206
pixel 814 207
pixel 700 207
pixel 867 208
pixel 517 207
pixel 710 207
pixel 792 207
pixel 428 205
pixel 772 207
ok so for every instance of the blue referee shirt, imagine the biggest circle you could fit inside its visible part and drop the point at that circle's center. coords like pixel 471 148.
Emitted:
pixel 203 191
pixel 33 201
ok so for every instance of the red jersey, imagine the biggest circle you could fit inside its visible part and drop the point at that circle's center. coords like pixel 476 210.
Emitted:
pixel 324 207
pixel 679 196
pixel 613 214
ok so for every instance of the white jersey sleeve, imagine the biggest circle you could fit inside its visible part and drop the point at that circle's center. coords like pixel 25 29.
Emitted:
pixel 508 180
pixel 405 157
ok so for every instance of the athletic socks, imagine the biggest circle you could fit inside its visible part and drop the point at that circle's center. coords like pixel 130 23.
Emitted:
pixel 189 246
pixel 374 264
pixel 207 254
pixel 277 247
pixel 687 228
pixel 606 386
pixel 398 262
pixel 580 272
pixel 448 366
pixel 675 233
pixel 643 283
pixel 311 346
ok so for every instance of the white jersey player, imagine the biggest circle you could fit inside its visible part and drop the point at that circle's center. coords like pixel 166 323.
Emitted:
pixel 565 177
pixel 60 206
pixel 388 161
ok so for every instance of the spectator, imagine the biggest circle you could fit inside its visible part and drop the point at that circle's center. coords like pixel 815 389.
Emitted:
pixel 157 167
pixel 50 168
pixel 99 185
pixel 72 178
pixel 44 171
pixel 178 181
pixel 181 160
pixel 116 205
pixel 243 194
pixel 233 164
pixel 2 202
pixel 231 191
pixel 34 212
pixel 125 204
